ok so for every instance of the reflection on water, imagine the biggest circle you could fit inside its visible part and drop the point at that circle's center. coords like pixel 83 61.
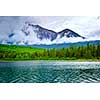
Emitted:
pixel 51 72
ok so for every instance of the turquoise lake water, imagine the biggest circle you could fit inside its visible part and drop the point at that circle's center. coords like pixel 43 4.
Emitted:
pixel 49 72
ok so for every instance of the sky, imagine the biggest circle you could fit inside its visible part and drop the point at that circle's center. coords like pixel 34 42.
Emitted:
pixel 88 26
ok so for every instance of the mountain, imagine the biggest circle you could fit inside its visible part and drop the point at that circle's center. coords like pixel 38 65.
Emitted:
pixel 69 33
pixel 31 34
pixel 42 33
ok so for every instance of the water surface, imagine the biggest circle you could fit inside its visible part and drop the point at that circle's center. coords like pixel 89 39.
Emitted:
pixel 49 72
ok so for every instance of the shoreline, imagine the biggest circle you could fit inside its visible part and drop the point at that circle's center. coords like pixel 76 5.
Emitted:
pixel 78 60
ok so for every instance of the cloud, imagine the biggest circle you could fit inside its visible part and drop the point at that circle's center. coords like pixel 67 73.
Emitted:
pixel 88 26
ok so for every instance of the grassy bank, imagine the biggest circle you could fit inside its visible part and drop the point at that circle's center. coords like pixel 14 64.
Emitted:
pixel 51 59
pixel 39 58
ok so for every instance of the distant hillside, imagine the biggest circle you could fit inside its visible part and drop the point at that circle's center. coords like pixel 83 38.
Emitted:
pixel 17 52
pixel 66 45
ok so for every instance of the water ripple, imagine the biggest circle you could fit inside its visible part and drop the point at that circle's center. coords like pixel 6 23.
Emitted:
pixel 49 72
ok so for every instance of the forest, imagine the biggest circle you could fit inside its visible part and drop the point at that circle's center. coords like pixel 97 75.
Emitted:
pixel 13 52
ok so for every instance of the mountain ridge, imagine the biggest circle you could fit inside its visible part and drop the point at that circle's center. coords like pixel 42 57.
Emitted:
pixel 66 45
pixel 36 34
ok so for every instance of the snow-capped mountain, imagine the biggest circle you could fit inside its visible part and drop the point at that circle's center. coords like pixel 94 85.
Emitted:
pixel 42 33
pixel 69 33
pixel 35 34
pixel 22 30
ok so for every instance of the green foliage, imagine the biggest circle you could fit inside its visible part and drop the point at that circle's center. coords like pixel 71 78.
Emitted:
pixel 12 52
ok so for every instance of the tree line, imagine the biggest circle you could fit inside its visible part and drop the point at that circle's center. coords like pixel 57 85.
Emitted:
pixel 89 51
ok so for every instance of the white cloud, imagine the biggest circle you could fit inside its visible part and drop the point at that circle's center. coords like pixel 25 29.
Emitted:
pixel 85 26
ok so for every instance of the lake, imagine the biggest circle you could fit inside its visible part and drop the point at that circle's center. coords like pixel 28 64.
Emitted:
pixel 49 72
